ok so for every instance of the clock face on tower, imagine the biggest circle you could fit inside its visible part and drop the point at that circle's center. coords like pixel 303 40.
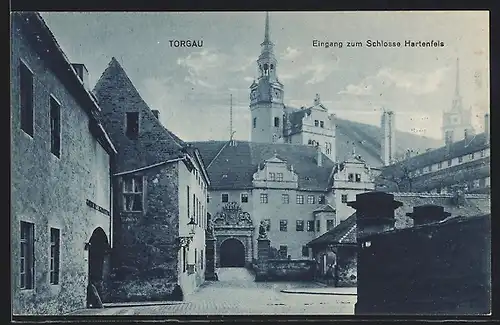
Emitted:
pixel 253 94
pixel 277 93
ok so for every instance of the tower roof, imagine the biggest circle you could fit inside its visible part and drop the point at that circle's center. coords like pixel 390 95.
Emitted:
pixel 457 99
pixel 267 45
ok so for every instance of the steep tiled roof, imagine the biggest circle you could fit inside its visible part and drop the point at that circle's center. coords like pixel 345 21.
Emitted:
pixel 343 233
pixel 473 205
pixel 117 94
pixel 456 149
pixel 232 166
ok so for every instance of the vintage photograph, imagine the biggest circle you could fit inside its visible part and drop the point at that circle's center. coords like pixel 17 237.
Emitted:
pixel 250 163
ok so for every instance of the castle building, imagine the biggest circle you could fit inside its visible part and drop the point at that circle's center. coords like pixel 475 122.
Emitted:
pixel 457 122
pixel 297 173
pixel 275 122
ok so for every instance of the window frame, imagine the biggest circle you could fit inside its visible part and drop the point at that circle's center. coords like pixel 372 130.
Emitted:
pixel 55 130
pixel 311 199
pixel 344 198
pixel 226 196
pixel 126 193
pixel 244 197
pixel 299 225
pixel 264 198
pixel 299 199
pixel 55 256
pixel 27 126
pixel 310 226
pixel 128 132
pixel 283 225
pixel 27 256
pixel 285 198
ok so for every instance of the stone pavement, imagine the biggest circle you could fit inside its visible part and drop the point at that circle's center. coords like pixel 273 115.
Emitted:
pixel 236 293
pixel 323 291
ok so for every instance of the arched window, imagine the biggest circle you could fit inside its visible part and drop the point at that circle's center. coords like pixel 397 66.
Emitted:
pixel 309 142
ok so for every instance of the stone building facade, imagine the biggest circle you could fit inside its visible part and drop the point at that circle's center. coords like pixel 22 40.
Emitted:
pixel 160 195
pixel 61 212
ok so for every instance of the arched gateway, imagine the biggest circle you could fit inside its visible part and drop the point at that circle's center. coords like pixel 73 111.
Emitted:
pixel 233 231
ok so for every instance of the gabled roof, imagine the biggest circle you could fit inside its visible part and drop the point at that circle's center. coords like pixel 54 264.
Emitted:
pixel 43 41
pixel 474 205
pixel 324 208
pixel 343 233
pixel 117 94
pixel 232 166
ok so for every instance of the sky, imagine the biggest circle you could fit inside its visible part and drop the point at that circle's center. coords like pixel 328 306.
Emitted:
pixel 191 87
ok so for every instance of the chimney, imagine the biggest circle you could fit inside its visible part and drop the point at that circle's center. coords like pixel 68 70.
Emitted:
pixel 319 156
pixel 374 212
pixel 156 113
pixel 487 127
pixel 427 213
pixel 82 73
pixel 388 129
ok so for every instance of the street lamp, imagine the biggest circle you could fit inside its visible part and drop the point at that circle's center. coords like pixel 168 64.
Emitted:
pixel 192 225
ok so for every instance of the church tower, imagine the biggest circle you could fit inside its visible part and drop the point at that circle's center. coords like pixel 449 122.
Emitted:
pixel 457 123
pixel 266 96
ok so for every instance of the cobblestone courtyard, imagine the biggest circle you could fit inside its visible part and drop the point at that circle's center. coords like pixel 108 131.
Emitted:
pixel 236 293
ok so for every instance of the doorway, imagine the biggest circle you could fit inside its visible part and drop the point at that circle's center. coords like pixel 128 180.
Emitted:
pixel 232 253
pixel 98 247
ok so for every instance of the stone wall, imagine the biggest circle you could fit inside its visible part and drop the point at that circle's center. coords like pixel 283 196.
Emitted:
pixel 146 263
pixel 51 192
pixel 432 269
pixel 290 270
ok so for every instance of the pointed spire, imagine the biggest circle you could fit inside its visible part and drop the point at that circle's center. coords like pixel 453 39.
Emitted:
pixel 457 100
pixel 266 32
pixel 457 81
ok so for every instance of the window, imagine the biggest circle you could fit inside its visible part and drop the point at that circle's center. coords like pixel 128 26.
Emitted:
pixel 305 251
pixel 194 205
pixel 195 256
pixel 449 163
pixel 55 127
pixel 132 130
pixel 208 198
pixel 321 199
pixel 316 122
pixel 440 165
pixel 471 156
pixel 299 226
pixel 244 198
pixel 330 224
pixel 328 148
pixel 350 177
pixel 184 259
pixel 279 177
pixel 254 122
pixel 201 259
pixel 283 252
pixel 310 225
pixel 285 198
pixel 482 153
pixel 132 193
pixel 283 225
pixel 263 198
pixel 300 199
pixel 188 196
pixel 267 223
pixel 460 159
pixel 225 197
pixel 26 92
pixel 318 225
pixel 27 256
pixel 55 247
pixel 311 199
pixel 272 176
pixel 309 141
pixel 344 198
pixel 475 183
pixel 322 124
pixel 276 121
pixel 358 178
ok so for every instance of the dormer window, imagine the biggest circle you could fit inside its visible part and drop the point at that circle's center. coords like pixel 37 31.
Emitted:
pixel 321 124
pixel 272 176
pixel 358 178
pixel 279 177
pixel 132 125
pixel 316 122
pixel 350 177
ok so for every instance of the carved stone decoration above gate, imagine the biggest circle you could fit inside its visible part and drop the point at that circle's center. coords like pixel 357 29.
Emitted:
pixel 232 216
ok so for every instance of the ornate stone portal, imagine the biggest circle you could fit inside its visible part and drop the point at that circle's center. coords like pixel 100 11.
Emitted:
pixel 233 223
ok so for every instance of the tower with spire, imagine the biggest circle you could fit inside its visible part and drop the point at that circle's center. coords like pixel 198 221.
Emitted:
pixel 457 123
pixel 266 95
